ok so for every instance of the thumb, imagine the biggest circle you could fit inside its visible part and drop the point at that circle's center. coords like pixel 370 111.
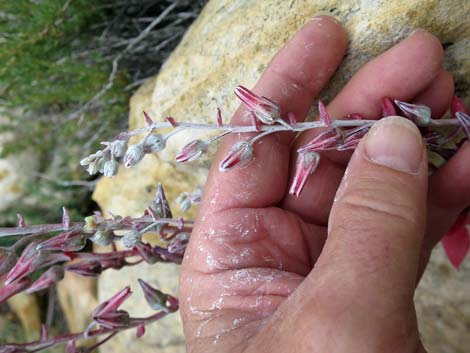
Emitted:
pixel 376 225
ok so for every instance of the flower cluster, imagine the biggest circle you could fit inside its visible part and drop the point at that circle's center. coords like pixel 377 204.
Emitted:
pixel 338 134
pixel 108 320
pixel 42 254
pixel 442 137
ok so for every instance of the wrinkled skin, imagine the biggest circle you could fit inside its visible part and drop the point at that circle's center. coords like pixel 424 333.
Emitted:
pixel 260 273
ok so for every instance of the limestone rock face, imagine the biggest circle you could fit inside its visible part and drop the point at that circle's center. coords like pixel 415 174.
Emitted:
pixel 15 172
pixel 230 44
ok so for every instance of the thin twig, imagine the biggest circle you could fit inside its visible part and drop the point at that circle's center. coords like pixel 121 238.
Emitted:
pixel 116 60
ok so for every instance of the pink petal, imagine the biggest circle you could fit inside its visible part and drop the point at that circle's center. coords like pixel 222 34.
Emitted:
pixel 324 116
pixel 306 164
pixel 456 242
pixel 325 140
pixel 172 121
pixel 219 117
pixel 140 331
pixel 147 119
pixel 388 109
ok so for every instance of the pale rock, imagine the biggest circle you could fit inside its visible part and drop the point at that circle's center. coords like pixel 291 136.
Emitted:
pixel 231 43
pixel 16 171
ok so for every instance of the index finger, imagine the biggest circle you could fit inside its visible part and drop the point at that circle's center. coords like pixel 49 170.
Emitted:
pixel 292 79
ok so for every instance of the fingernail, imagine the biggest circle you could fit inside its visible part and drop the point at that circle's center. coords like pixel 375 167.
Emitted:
pixel 325 16
pixel 395 143
pixel 417 30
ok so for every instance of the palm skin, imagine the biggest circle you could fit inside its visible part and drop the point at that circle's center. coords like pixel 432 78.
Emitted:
pixel 257 275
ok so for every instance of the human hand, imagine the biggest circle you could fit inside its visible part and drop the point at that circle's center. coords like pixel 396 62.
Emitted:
pixel 326 271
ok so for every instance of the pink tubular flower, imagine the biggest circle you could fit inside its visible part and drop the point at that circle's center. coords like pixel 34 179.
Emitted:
pixel 178 244
pixel 456 242
pixel 65 241
pixel 113 320
pixel 13 288
pixel 326 140
pixel 8 259
pixel 264 109
pixel 324 116
pixel 192 151
pixel 156 299
pixel 219 117
pixel 86 268
pixel 388 109
pixel 352 137
pixel 239 155
pixel 48 278
pixel 306 164
pixel 113 303
pixel 30 260
pixel 416 112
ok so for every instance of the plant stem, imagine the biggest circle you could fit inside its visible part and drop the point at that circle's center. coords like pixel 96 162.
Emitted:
pixel 298 127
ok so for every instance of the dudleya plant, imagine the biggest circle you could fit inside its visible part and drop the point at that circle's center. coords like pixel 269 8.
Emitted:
pixel 50 250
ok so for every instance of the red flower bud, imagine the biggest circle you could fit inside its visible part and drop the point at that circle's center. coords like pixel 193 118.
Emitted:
pixel 239 155
pixel 416 112
pixel 264 109
pixel 456 242
pixel 48 278
pixel 324 116
pixel 192 151
pixel 388 109
pixel 326 140
pixel 306 164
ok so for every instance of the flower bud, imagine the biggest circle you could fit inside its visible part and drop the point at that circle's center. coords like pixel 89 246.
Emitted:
pixel 131 239
pixel 93 168
pixel 8 259
pixel 416 112
pixel 133 155
pixel 388 109
pixel 11 289
pixel 184 201
pixel 85 268
pixel 306 164
pixel 178 244
pixel 114 320
pixel 110 168
pixel 264 109
pixel 113 303
pixel 156 299
pixel 324 115
pixel 192 151
pixel 160 204
pixel 239 155
pixel 154 143
pixel 65 241
pixel 326 140
pixel 29 261
pixel 87 160
pixel 103 238
pixel 47 279
pixel 90 224
pixel 119 148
